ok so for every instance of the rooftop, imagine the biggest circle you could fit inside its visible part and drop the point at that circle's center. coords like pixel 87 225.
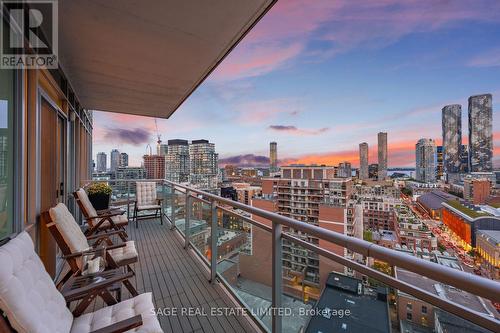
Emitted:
pixel 368 312
pixel 465 210
pixel 434 199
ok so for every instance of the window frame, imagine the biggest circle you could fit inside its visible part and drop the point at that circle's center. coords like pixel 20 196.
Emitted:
pixel 17 164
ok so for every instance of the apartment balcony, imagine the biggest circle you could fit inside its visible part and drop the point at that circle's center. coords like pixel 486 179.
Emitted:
pixel 119 56
pixel 188 269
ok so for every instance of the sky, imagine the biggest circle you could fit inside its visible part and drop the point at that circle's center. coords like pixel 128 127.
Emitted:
pixel 320 77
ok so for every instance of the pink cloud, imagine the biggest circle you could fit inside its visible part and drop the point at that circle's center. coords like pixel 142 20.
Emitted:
pixel 256 112
pixel 256 60
pixel 287 31
pixel 487 59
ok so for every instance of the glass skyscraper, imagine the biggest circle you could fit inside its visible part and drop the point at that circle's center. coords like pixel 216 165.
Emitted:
pixel 480 133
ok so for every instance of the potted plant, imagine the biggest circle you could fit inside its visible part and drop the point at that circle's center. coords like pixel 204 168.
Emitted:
pixel 99 195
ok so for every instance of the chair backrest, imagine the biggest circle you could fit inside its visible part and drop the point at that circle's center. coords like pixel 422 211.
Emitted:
pixel 72 235
pixel 85 205
pixel 146 193
pixel 28 295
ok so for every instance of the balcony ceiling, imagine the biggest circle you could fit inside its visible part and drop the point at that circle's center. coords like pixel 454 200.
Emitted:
pixel 146 58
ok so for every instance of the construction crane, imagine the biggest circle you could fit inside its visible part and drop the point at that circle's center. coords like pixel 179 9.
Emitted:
pixel 158 135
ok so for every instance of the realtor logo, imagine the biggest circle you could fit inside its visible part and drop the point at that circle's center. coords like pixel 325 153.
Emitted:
pixel 29 34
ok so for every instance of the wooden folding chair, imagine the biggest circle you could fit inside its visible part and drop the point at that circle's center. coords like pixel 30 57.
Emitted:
pixel 73 243
pixel 101 221
pixel 32 303
pixel 146 200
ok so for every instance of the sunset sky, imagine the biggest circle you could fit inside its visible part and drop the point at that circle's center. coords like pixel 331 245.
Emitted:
pixel 319 77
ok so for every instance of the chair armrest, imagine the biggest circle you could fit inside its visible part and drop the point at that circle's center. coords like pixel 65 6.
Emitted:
pixel 81 253
pixel 78 293
pixel 101 213
pixel 105 216
pixel 121 326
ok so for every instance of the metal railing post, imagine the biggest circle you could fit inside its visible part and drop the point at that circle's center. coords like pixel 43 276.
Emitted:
pixel 187 224
pixel 172 208
pixel 213 242
pixel 276 277
pixel 128 200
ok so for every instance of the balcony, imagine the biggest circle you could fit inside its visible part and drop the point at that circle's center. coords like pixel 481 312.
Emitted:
pixel 200 260
pixel 253 276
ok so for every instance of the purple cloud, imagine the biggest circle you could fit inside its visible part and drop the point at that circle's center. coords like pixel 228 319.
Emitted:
pixel 135 137
pixel 298 131
pixel 245 160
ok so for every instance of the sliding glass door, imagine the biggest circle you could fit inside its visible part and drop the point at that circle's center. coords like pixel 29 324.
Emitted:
pixel 7 93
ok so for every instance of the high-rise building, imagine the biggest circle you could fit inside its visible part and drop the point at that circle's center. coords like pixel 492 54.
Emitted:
pixel 344 170
pixel 425 156
pixel 123 160
pixel 126 173
pixel 101 162
pixel 439 162
pixel 155 166
pixel 115 159
pixel 480 133
pixel 313 195
pixel 464 159
pixel 162 149
pixel 451 123
pixel 373 171
pixel 382 155
pixel 477 191
pixel 177 161
pixel 273 157
pixel 363 160
pixel 203 164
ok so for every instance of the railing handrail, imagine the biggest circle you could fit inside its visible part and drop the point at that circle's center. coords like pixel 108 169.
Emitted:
pixel 471 283
pixel 465 281
pixel 478 285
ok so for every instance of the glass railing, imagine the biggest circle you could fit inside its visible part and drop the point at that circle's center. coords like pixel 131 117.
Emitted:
pixel 287 284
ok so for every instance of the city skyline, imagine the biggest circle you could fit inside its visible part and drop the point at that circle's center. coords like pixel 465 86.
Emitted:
pixel 318 94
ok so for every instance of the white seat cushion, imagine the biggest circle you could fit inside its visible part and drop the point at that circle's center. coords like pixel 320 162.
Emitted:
pixel 118 220
pixel 142 304
pixel 124 253
pixel 69 229
pixel 147 207
pixel 84 199
pixel 146 193
pixel 27 293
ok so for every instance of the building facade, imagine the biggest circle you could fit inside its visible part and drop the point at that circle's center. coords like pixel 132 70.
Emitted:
pixel 452 138
pixel 273 157
pixel 203 164
pixel 123 160
pixel 177 161
pixel 344 170
pixel 154 166
pixel 439 162
pixel 313 195
pixel 363 161
pixel 382 155
pixel 477 190
pixel 101 164
pixel 114 160
pixel 480 133
pixel 425 157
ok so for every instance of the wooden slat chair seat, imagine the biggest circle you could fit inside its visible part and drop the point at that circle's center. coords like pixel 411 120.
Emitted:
pixel 100 220
pixel 147 200
pixel 32 303
pixel 73 242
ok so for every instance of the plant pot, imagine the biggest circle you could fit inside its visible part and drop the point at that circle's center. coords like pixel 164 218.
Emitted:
pixel 100 201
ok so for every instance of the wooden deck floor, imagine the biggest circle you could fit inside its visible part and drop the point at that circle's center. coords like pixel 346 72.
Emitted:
pixel 178 280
